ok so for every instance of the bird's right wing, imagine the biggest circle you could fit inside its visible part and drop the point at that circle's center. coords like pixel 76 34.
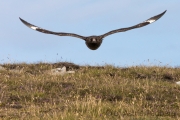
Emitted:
pixel 51 32
pixel 149 21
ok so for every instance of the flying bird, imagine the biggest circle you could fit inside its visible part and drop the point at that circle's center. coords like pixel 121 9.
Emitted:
pixel 94 42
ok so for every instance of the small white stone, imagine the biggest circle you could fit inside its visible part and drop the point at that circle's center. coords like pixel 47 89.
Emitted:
pixel 60 71
pixel 178 83
pixel 63 69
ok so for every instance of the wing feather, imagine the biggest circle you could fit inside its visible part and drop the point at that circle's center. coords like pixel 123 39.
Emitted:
pixel 51 32
pixel 149 21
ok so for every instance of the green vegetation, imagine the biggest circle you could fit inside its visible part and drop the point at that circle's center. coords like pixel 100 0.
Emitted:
pixel 27 91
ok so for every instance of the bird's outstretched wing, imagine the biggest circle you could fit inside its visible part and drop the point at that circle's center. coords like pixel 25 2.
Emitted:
pixel 51 32
pixel 149 21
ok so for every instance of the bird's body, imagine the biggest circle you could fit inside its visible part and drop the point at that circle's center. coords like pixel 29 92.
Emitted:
pixel 94 42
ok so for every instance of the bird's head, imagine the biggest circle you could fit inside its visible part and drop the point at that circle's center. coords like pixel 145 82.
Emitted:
pixel 93 42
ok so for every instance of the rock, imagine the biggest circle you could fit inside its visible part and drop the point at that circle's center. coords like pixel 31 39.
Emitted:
pixel 178 83
pixel 16 71
pixel 60 71
pixel 70 72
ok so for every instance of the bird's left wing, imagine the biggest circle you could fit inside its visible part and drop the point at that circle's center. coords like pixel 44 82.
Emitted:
pixel 149 21
pixel 51 32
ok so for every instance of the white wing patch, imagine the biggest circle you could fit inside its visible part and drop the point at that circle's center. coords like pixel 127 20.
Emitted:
pixel 150 21
pixel 34 28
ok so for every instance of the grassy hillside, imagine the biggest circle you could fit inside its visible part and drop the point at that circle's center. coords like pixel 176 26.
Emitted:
pixel 27 91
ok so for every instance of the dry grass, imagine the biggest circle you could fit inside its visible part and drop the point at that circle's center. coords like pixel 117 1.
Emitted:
pixel 107 92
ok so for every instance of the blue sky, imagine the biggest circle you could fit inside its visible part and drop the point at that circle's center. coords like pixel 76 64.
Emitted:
pixel 155 44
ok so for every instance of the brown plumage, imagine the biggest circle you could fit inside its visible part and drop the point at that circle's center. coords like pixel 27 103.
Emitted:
pixel 93 42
